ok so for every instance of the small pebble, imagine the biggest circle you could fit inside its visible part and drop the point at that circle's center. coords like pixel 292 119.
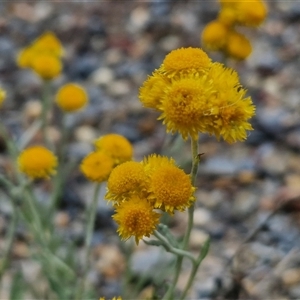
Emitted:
pixel 201 217
pixel 62 219
pixel 197 239
pixel 291 277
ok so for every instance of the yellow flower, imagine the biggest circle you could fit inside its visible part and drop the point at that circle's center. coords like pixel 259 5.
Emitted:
pixel 2 96
pixel 115 145
pixel 237 45
pixel 71 97
pixel 153 162
pixel 37 162
pixel 151 91
pixel 229 110
pixel 214 35
pixel 169 187
pixel 243 12
pixel 135 217
pixel 97 166
pixel 185 61
pixel 48 42
pixel 227 15
pixel 213 104
pixel 47 66
pixel 251 13
pixel 183 106
pixel 210 102
pixel 25 57
pixel 126 179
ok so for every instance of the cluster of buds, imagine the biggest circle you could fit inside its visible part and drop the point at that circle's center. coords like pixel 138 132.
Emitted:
pixel 43 56
pixel 221 34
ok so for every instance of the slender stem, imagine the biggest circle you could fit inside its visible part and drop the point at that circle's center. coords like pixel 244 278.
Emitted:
pixel 7 183
pixel 194 171
pixel 91 216
pixel 190 281
pixel 64 137
pixel 195 267
pixel 172 249
pixel 195 161
pixel 10 240
pixel 36 220
pixel 29 134
pixel 127 276
pixel 59 178
pixel 12 149
pixel 45 110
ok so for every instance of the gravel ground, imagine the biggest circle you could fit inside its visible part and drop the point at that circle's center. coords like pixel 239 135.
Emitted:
pixel 111 47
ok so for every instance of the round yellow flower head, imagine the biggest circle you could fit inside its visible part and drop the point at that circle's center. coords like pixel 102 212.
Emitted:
pixel 237 45
pixel 135 217
pixel 243 12
pixel 183 106
pixel 213 104
pixel 97 166
pixel 228 15
pixel 115 145
pixel 25 57
pixel 151 91
pixel 125 179
pixel 37 162
pixel 47 66
pixel 2 96
pixel 251 13
pixel 71 97
pixel 48 42
pixel 45 45
pixel 185 61
pixel 214 35
pixel 169 187
pixel 153 162
pixel 229 111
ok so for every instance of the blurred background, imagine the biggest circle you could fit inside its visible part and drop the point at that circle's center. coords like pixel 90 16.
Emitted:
pixel 110 48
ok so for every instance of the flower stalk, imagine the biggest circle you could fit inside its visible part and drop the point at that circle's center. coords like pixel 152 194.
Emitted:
pixel 194 170
pixel 91 216
pixel 45 111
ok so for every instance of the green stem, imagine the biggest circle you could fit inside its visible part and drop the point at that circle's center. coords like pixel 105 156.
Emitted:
pixel 45 110
pixel 32 218
pixel 194 171
pixel 166 244
pixel 195 267
pixel 11 147
pixel 59 179
pixel 10 240
pixel 195 161
pixel 36 220
pixel 29 134
pixel 13 152
pixel 127 250
pixel 91 216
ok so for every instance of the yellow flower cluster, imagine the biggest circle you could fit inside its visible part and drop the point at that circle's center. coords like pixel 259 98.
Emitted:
pixel 139 189
pixel 43 56
pixel 71 97
pixel 221 34
pixel 111 150
pixel 198 97
pixel 37 162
